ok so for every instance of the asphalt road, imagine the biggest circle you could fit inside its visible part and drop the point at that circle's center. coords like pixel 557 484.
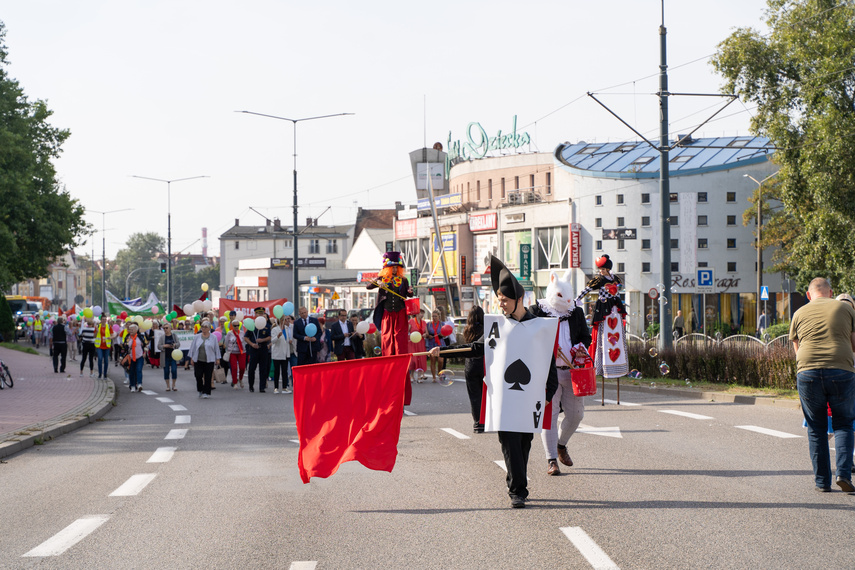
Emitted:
pixel 650 489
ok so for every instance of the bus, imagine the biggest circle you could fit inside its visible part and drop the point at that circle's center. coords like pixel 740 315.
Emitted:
pixel 17 304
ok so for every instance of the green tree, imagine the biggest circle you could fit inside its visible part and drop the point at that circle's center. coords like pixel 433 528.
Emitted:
pixel 801 78
pixel 39 221
pixel 7 322
pixel 138 257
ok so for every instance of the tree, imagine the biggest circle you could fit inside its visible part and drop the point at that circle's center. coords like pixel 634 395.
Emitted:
pixel 7 322
pixel 39 220
pixel 802 81
pixel 139 254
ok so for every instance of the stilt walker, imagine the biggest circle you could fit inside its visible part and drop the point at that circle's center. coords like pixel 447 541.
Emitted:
pixel 608 322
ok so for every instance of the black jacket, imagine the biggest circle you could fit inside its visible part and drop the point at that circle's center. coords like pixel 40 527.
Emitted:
pixel 579 331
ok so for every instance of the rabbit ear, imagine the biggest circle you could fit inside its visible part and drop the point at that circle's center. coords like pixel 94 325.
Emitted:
pixel 553 277
pixel 568 274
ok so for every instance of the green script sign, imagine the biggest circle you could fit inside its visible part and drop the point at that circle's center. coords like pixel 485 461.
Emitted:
pixel 478 144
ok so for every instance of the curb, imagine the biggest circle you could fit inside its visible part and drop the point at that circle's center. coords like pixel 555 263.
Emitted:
pixel 100 401
pixel 711 396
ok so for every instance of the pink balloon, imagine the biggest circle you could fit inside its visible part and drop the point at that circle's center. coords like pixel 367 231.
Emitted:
pixel 219 336
pixel 155 310
pixel 116 328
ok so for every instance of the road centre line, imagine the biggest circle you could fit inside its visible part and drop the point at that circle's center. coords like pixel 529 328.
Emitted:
pixel 409 413
pixel 177 408
pixel 165 400
pixel 134 485
pixel 176 434
pixel 69 536
pixel 613 431
pixel 686 414
pixel 766 431
pixel 297 441
pixel 182 419
pixel 149 393
pixel 162 455
pixel 621 403
pixel 455 433
pixel 588 548
pixel 305 565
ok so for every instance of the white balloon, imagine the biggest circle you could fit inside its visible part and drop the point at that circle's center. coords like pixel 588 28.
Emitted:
pixel 207 305
pixel 260 322
pixel 198 306
pixel 362 327
pixel 145 325
pixel 240 315
pixel 188 310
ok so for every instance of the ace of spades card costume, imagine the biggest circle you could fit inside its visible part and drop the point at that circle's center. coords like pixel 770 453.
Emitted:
pixel 608 350
pixel 520 380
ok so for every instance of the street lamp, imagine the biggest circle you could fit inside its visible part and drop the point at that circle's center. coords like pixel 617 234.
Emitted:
pixel 104 254
pixel 296 299
pixel 169 229
pixel 759 243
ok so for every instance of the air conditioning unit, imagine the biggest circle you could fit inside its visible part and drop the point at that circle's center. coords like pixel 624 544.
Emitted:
pixel 530 197
pixel 515 198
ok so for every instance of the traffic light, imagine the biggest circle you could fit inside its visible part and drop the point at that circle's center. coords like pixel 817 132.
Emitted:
pixel 163 268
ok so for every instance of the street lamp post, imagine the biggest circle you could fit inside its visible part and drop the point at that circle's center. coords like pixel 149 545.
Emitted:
pixel 168 229
pixel 296 299
pixel 104 255
pixel 759 242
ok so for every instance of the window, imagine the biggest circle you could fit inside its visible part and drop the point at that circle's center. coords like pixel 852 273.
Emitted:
pixel 645 267
pixel 625 148
pixel 490 189
pixel 620 222
pixel 286 242
pixel 531 181
pixel 738 143
pixel 731 267
pixel 549 183
pixel 731 220
pixel 598 222
pixel 675 267
pixel 516 182
pixel 590 149
pixel 621 244
pixel 645 244
pixel 675 243
pixel 314 246
pixel 645 221
pixel 702 196
pixel 598 200
pixel 503 188
pixel 478 191
pixel 731 196
pixel 681 159
pixel 621 268
pixel 552 247
pixel 641 161
pixel 731 243
pixel 703 264
pixel 599 245
pixel 702 243
pixel 237 245
pixel 702 220
pixel 332 246
pixel 673 197
pixel 675 220
pixel 620 198
pixel 645 198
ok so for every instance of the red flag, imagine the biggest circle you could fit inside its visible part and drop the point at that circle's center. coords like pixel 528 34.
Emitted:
pixel 349 411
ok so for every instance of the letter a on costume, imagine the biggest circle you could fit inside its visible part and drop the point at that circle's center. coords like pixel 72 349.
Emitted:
pixel 494 334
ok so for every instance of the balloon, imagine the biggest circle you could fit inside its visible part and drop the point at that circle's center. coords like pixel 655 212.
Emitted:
pixel 177 354
pixel 311 329
pixel 145 325
pixel 207 305
pixel 205 287
pixel 198 306
pixel 188 310
pixel 116 328
pixel 288 308
pixel 123 315
pixel 446 330
pixel 195 318
pixel 219 336
pixel 155 310
pixel 139 319
pixel 249 324
pixel 277 311
pixel 169 317
pixel 362 327
pixel 240 315
pixel 260 322
pixel 416 337
pixel 87 312
pixel 96 310
pixel 372 328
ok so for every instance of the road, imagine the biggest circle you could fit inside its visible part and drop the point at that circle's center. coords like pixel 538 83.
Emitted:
pixel 664 483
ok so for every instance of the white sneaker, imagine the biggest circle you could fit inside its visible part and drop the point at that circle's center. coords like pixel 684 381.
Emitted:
pixel 81 373
pixel 133 388
pixel 286 391
pixel 125 382
pixel 92 375
pixel 205 396
pixel 276 390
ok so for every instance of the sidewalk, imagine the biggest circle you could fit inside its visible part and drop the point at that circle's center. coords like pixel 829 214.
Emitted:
pixel 43 405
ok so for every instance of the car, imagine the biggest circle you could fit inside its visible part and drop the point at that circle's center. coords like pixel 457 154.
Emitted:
pixel 363 314
pixel 459 326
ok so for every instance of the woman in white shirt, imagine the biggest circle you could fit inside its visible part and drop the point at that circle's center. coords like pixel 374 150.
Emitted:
pixel 280 352
pixel 204 354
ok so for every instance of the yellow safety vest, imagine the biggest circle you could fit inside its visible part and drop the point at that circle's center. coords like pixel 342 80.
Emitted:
pixel 108 338
pixel 37 324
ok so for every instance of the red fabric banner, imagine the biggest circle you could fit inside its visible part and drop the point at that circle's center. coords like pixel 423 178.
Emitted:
pixel 349 411
pixel 227 305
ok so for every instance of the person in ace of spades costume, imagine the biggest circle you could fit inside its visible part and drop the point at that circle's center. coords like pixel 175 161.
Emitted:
pixel 608 350
pixel 515 445
pixel 390 314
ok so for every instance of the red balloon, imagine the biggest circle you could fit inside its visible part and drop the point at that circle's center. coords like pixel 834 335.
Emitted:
pixel 372 328
pixel 446 330
pixel 123 315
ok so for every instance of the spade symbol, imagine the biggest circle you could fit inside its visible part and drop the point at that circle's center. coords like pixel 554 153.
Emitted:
pixel 517 373
pixel 537 406
pixel 492 343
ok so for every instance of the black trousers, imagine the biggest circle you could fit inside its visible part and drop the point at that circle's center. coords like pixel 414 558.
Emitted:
pixel 280 367
pixel 475 387
pixel 515 448
pixel 204 372
pixel 87 349
pixel 305 358
pixel 261 361
pixel 60 349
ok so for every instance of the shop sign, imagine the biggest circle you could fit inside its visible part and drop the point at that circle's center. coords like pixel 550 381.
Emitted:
pixel 406 229
pixel 440 202
pixel 525 261
pixel 287 263
pixel 620 233
pixel 463 270
pixel 575 245
pixel 478 144
pixel 366 276
pixel 476 279
pixel 483 222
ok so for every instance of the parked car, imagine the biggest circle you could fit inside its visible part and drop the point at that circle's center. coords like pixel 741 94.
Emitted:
pixel 362 313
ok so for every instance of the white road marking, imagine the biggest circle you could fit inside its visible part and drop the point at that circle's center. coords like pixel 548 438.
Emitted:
pixel 501 463
pixel 165 400
pixel 455 433
pixel 177 408
pixel 307 565
pixel 685 414
pixel 134 485
pixel 603 431
pixel 176 434
pixel 149 393
pixel 622 403
pixel 162 455
pixel 767 431
pixel 182 419
pixel 297 441
pixel 588 548
pixel 409 413
pixel 69 536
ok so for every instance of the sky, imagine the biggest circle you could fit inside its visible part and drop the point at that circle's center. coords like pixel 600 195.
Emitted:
pixel 151 88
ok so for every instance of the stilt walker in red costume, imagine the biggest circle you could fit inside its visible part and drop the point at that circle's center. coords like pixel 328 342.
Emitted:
pixel 608 322
pixel 390 314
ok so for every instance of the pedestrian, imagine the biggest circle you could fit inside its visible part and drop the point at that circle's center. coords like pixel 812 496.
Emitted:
pixel 235 349
pixel 263 339
pixel 823 336
pixel 135 345
pixel 154 335
pixel 678 324
pixel 358 339
pixel 72 339
pixel 167 342
pixel 280 353
pixel 418 364
pixel 103 345
pixel 87 343
pixel 762 324
pixel 609 350
pixel 324 335
pixel 435 339
pixel 473 367
pixel 38 325
pixel 308 346
pixel 205 355
pixel 288 330
pixel 341 333
pixel 59 344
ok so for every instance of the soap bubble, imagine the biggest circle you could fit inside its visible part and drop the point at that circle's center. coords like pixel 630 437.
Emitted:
pixel 650 317
pixel 664 369
pixel 644 335
pixel 767 337
pixel 653 384
pixel 445 378
pixel 377 351
pixel 654 352
pixel 634 373
pixel 660 286
pixel 663 300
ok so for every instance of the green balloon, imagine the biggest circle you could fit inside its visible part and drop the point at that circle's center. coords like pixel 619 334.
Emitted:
pixel 169 317
pixel 278 311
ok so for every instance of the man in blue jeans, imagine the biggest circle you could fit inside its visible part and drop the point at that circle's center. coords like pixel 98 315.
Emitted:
pixel 823 336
